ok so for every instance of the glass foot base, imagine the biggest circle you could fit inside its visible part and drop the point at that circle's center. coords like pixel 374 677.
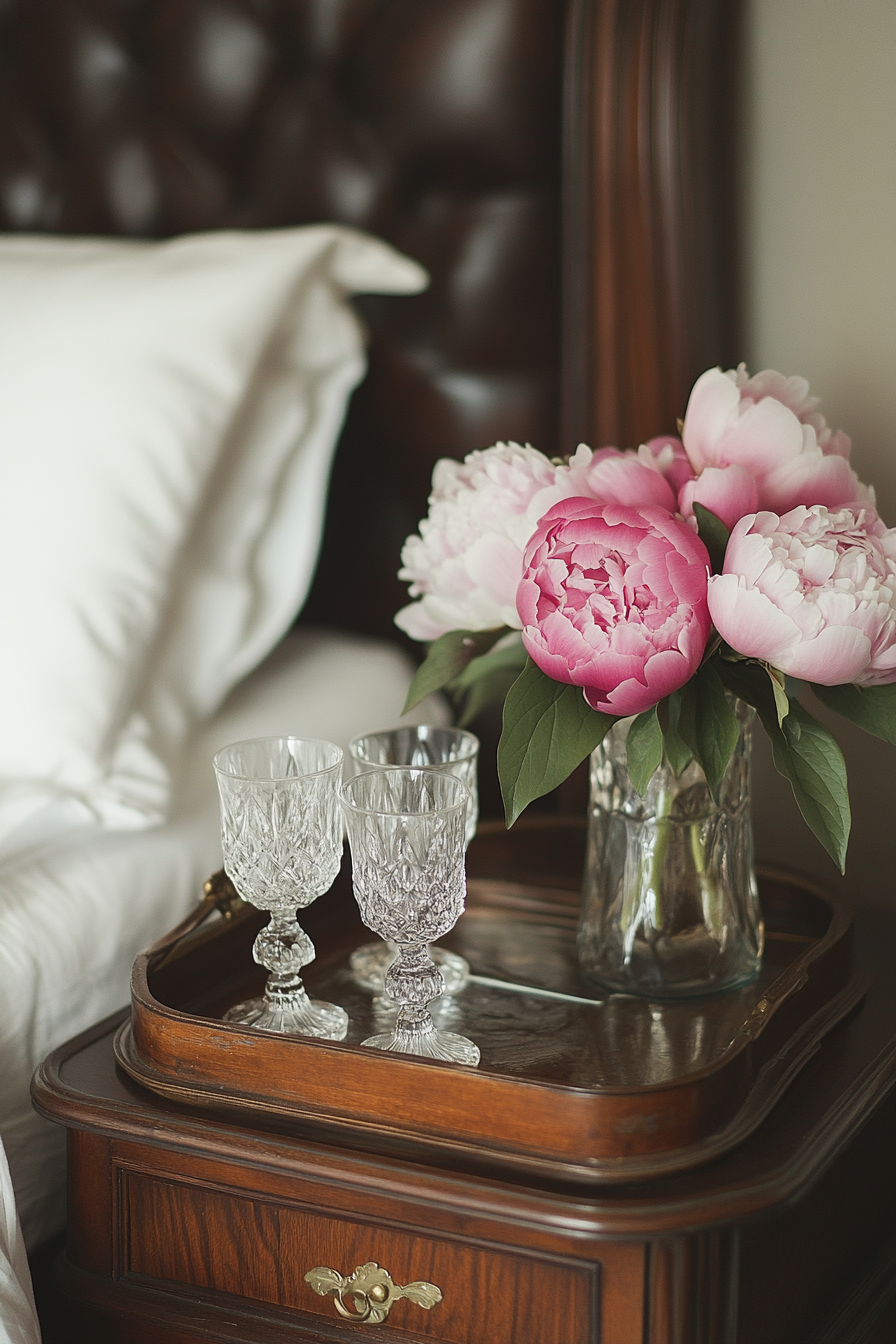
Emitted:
pixel 296 1015
pixel 431 1044
pixel 370 963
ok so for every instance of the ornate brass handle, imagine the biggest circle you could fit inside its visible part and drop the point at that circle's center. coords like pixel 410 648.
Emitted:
pixel 371 1290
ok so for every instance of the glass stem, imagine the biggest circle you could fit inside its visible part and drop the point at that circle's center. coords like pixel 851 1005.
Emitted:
pixel 283 948
pixel 413 981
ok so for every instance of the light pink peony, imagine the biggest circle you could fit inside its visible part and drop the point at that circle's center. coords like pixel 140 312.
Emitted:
pixel 613 599
pixel 670 458
pixel 813 593
pixel 728 492
pixel 466 564
pixel 613 477
pixel 760 443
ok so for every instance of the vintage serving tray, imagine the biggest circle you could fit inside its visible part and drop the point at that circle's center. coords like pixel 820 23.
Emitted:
pixel 573 1084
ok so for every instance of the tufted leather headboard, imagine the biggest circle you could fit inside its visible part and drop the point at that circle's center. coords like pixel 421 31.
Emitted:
pixel 558 166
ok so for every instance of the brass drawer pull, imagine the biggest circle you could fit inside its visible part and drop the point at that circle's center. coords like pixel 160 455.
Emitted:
pixel 371 1290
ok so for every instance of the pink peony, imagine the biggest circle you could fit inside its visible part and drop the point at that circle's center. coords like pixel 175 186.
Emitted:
pixel 670 459
pixel 760 443
pixel 813 593
pixel 613 599
pixel 467 562
pixel 728 492
pixel 630 478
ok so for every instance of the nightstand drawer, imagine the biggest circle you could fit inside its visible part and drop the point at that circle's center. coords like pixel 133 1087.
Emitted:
pixel 187 1235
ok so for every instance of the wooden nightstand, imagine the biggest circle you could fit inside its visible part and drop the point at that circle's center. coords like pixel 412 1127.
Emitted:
pixel 189 1224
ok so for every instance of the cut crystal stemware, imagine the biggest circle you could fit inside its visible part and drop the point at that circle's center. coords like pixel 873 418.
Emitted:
pixel 282 829
pixel 454 751
pixel 406 831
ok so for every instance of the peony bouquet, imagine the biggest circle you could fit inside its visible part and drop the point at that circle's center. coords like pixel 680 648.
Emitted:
pixel 745 559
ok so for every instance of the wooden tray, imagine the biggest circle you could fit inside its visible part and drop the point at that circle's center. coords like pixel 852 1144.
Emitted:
pixel 573 1085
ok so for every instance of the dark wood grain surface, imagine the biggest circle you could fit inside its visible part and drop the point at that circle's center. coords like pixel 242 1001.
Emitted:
pixel 796 1214
pixel 650 246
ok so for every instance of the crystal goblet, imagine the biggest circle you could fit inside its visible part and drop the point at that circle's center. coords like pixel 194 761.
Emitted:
pixel 454 751
pixel 406 831
pixel 282 829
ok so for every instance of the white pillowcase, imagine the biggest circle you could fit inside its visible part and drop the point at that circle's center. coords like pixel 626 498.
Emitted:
pixel 168 413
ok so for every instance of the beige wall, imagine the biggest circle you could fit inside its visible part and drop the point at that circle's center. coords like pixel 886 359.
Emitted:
pixel 820 203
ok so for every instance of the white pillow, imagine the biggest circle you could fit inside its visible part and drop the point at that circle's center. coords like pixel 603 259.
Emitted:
pixel 168 413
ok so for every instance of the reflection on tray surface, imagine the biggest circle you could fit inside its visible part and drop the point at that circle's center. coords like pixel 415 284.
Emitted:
pixel 534 1016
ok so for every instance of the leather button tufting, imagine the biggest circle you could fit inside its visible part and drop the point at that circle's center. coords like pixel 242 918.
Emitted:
pixel 435 125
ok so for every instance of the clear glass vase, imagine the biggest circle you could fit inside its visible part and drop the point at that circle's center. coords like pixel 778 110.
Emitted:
pixel 669 901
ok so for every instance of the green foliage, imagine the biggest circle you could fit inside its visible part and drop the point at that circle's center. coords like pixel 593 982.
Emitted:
pixel 485 681
pixel 804 752
pixel 644 749
pixel 548 729
pixel 707 724
pixel 678 753
pixel 446 659
pixel 714 535
pixel 871 707
pixel 779 691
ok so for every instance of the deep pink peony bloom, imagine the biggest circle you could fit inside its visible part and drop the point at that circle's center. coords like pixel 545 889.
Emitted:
pixel 613 599
pixel 740 432
pixel 813 593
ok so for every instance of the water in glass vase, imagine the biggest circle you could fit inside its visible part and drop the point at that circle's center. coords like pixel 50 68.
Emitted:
pixel 669 901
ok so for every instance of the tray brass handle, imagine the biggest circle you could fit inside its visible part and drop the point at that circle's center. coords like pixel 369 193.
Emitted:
pixel 220 894
pixel 371 1291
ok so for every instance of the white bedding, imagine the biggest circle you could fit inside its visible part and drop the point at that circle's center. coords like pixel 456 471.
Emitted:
pixel 169 415
pixel 18 1319
pixel 73 919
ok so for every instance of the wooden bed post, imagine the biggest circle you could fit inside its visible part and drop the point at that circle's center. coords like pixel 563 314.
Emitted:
pixel 649 264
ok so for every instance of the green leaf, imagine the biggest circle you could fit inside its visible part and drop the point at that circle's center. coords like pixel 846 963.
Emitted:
pixel 678 753
pixel 751 682
pixel 779 690
pixel 447 658
pixel 814 764
pixel 760 684
pixel 644 749
pixel 486 680
pixel 511 655
pixel 715 725
pixel 548 729
pixel 804 752
pixel 714 535
pixel 871 707
pixel 489 689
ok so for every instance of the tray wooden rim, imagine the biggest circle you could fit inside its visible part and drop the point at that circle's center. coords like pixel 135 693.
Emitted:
pixel 581 1155
pixel 771 1084
pixel 791 980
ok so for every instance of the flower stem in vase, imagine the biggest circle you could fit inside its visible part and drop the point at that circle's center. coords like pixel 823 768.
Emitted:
pixel 669 905
pixel 660 849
